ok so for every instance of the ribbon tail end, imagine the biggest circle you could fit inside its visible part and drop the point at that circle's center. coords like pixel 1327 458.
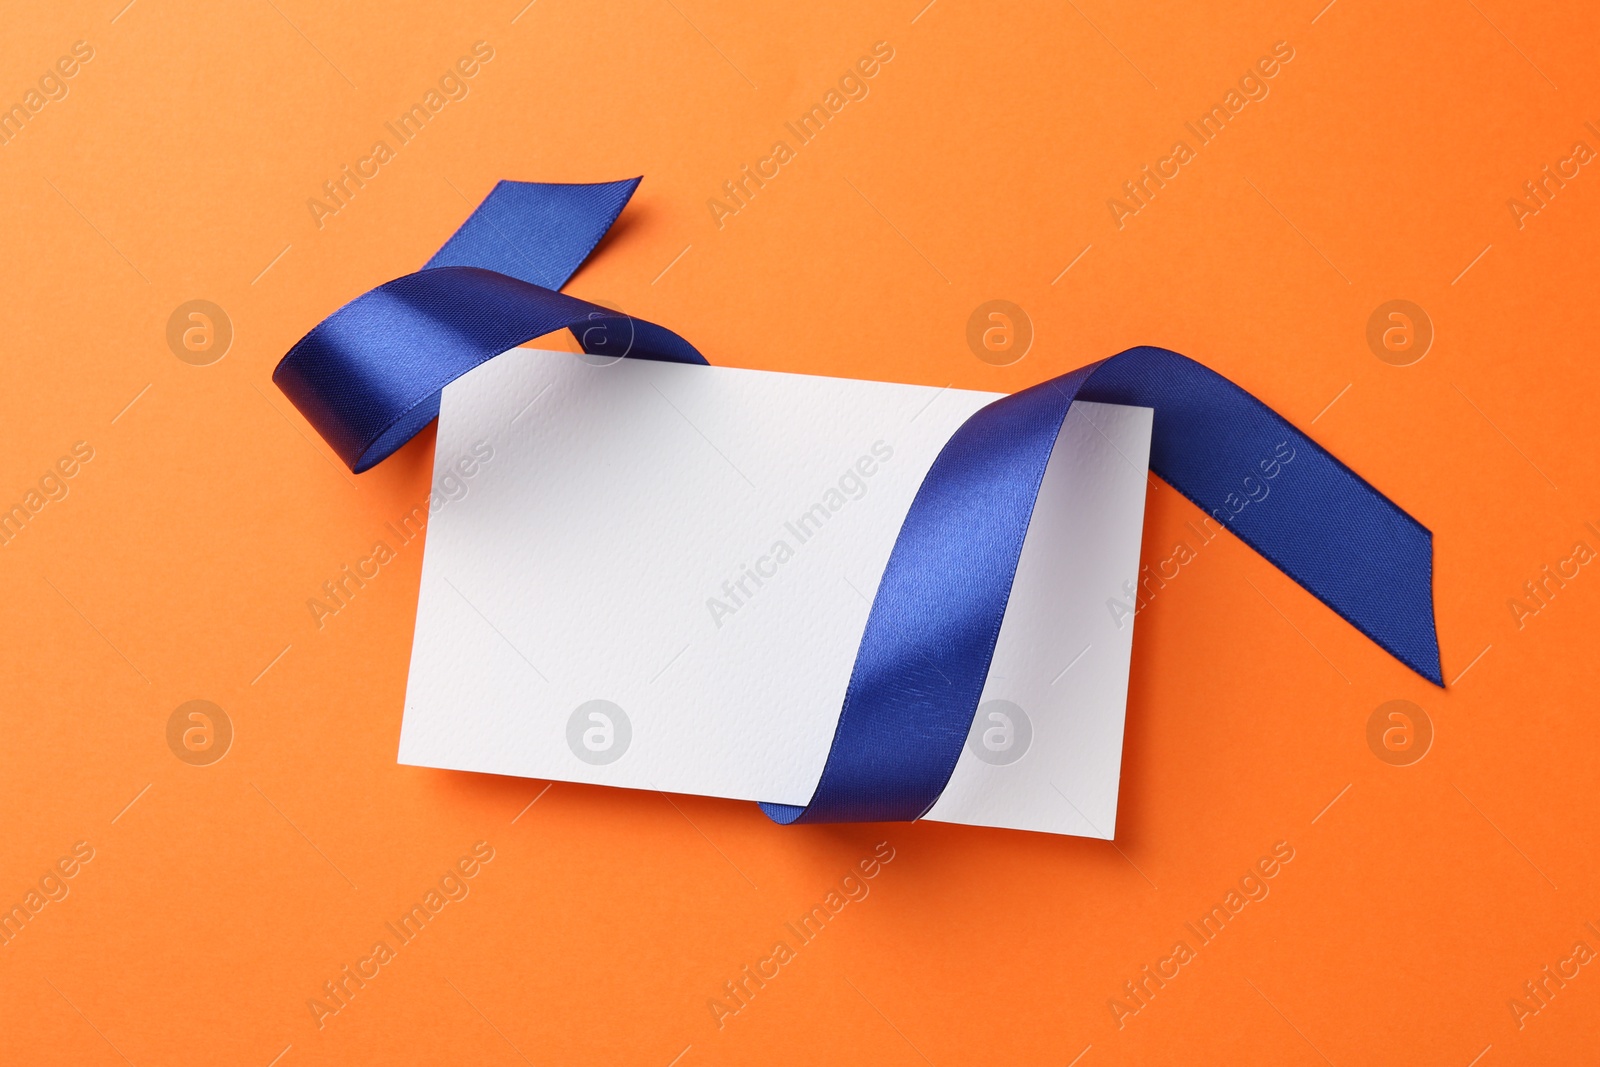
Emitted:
pixel 782 814
pixel 1430 668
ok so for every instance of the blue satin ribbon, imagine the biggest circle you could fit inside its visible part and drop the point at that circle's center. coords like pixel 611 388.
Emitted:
pixel 369 376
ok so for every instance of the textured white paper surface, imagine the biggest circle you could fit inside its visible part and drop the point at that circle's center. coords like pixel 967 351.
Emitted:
pixel 655 576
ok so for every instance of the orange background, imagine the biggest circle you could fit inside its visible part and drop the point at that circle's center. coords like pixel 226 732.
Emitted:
pixel 220 898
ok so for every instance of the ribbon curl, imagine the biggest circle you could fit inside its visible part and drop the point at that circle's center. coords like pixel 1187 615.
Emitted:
pixel 369 377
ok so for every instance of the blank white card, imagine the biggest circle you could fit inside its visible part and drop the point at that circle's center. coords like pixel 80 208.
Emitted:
pixel 656 576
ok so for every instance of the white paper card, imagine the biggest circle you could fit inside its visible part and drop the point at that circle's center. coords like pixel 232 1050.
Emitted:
pixel 656 576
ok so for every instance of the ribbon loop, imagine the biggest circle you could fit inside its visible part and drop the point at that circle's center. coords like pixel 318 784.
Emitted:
pixel 368 377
